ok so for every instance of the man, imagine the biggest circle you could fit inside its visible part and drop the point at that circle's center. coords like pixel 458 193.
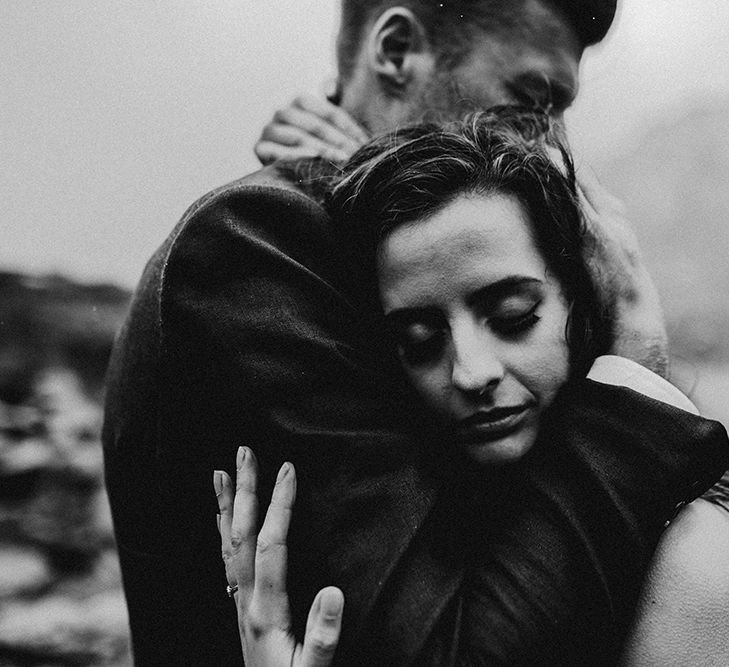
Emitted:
pixel 239 334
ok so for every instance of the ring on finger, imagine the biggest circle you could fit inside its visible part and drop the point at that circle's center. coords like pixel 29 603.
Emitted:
pixel 230 590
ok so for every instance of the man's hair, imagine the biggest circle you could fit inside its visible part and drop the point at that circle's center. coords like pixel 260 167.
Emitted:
pixel 449 25
pixel 412 173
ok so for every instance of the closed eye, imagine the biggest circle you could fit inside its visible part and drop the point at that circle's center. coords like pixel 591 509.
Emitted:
pixel 422 349
pixel 419 334
pixel 516 323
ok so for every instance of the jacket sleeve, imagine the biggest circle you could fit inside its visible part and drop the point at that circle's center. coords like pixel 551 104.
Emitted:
pixel 237 335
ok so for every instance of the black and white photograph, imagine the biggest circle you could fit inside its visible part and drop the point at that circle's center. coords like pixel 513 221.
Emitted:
pixel 364 332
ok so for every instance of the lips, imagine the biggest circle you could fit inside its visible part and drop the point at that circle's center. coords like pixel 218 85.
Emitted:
pixel 491 424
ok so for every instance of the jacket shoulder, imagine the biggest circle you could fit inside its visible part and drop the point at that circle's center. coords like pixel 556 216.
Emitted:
pixel 268 181
pixel 262 207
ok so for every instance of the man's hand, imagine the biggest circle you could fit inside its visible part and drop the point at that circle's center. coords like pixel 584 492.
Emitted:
pixel 616 263
pixel 310 127
pixel 256 563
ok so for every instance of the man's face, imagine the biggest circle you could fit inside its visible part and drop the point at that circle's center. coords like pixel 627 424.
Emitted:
pixel 535 65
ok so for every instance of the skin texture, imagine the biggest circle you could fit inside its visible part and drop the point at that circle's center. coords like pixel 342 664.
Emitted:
pixel 479 321
pixel 683 616
pixel 310 127
pixel 535 63
pixel 503 69
pixel 256 563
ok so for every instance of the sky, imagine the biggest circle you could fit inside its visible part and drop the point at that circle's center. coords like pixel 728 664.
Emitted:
pixel 117 115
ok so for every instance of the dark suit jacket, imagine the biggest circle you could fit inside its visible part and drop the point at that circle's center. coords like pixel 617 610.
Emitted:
pixel 240 333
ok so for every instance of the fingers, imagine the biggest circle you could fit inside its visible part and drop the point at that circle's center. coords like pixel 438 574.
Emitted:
pixel 271 552
pixel 334 115
pixel 238 520
pixel 303 144
pixel 224 495
pixel 310 127
pixel 309 147
pixel 323 628
pixel 269 151
pixel 258 566
pixel 244 526
pixel 588 181
pixel 596 196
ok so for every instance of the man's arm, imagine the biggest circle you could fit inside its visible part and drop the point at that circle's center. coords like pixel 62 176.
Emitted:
pixel 239 335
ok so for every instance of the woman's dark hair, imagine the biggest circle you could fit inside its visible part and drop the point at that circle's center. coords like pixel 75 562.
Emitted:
pixel 414 172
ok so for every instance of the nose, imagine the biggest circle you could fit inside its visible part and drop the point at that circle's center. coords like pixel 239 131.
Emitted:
pixel 477 366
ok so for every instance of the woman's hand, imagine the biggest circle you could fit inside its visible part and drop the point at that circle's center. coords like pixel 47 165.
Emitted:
pixel 310 127
pixel 617 266
pixel 255 563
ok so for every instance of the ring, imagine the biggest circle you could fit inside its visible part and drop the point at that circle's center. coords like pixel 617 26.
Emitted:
pixel 230 590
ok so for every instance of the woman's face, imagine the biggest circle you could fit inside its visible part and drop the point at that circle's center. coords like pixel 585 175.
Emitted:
pixel 480 323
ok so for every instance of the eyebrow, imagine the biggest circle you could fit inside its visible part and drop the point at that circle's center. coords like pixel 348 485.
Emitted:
pixel 491 293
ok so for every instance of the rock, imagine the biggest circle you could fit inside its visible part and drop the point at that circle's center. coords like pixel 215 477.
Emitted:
pixel 22 570
pixel 17 421
pixel 61 518
pixel 26 456
pixel 61 599
pixel 57 629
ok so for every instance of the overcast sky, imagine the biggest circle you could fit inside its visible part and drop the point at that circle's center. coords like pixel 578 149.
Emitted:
pixel 116 114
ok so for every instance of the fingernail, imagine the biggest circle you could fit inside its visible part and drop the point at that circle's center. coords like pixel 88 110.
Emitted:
pixel 217 482
pixel 240 456
pixel 283 471
pixel 332 605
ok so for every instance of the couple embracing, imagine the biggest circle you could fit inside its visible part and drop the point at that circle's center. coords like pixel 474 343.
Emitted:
pixel 423 334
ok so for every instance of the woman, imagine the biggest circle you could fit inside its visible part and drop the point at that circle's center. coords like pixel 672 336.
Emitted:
pixel 470 238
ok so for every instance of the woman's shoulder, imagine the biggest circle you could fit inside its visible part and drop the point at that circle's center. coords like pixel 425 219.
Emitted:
pixel 683 615
pixel 694 550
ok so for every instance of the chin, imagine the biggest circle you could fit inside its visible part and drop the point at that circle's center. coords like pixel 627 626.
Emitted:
pixel 508 449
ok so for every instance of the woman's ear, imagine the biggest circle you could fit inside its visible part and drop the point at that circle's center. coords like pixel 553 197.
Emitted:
pixel 398 49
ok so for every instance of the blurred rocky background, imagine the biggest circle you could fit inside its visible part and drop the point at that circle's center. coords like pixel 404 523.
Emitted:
pixel 60 592
pixel 60 589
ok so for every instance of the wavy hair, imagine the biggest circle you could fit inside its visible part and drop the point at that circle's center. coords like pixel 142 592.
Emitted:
pixel 412 173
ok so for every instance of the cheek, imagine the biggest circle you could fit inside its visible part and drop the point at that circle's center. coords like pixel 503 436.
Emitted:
pixel 550 363
pixel 550 373
pixel 432 385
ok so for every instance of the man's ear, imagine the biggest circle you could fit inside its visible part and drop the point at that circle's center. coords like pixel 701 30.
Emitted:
pixel 398 49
